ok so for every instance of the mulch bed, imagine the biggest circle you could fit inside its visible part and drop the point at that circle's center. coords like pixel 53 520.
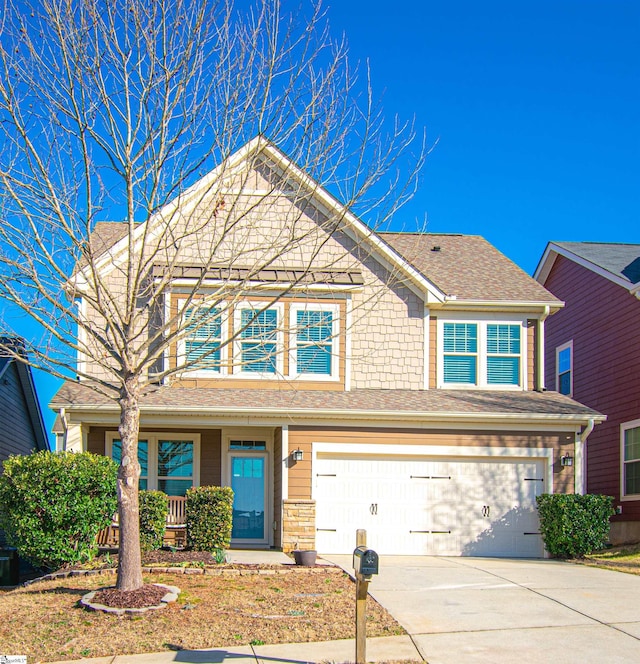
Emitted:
pixel 148 595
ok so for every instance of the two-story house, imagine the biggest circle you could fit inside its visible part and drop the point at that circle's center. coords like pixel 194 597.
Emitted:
pixel 393 383
pixel 593 355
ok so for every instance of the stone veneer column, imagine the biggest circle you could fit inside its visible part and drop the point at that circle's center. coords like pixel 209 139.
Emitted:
pixel 298 525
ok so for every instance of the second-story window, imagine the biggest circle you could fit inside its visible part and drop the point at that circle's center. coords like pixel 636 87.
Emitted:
pixel 503 354
pixel 481 353
pixel 259 345
pixel 314 332
pixel 204 335
pixel 460 344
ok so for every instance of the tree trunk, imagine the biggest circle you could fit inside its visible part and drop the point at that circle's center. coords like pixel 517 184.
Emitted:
pixel 129 559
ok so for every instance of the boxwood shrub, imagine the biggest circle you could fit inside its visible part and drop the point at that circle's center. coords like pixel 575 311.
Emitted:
pixel 209 511
pixel 53 504
pixel 573 525
pixel 154 507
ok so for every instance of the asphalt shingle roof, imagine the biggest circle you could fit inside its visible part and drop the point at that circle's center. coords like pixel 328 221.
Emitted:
pixel 362 400
pixel 621 260
pixel 468 267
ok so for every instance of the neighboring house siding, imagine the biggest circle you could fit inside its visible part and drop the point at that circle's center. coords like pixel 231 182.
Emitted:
pixel 18 436
pixel 602 320
pixel 300 475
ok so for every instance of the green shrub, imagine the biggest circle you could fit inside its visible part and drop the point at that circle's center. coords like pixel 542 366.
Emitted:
pixel 573 526
pixel 154 507
pixel 53 504
pixel 209 511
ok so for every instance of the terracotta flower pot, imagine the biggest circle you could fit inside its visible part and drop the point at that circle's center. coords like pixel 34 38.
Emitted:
pixel 305 558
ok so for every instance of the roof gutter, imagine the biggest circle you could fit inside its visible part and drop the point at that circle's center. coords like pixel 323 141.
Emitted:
pixel 389 415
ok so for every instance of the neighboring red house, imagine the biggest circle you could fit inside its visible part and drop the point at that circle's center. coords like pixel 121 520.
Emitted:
pixel 592 353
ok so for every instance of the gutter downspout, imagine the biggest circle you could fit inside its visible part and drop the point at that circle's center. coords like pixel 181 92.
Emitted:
pixel 540 359
pixel 65 424
pixel 580 455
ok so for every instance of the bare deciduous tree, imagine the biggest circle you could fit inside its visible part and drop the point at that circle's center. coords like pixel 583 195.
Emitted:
pixel 130 111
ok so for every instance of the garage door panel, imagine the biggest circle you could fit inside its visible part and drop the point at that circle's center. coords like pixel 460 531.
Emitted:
pixel 425 506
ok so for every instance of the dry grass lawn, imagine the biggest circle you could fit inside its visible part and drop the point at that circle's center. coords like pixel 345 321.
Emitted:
pixel 619 558
pixel 44 621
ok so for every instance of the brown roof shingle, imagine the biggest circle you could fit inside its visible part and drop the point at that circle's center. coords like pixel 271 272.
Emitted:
pixel 420 402
pixel 468 267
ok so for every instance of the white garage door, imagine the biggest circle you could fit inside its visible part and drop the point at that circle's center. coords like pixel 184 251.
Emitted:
pixel 426 506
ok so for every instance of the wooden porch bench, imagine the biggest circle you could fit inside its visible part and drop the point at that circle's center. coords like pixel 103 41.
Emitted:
pixel 175 533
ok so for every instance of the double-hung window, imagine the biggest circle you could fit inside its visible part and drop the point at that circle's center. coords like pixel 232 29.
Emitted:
pixel 564 368
pixel 203 338
pixel 630 435
pixel 314 331
pixel 484 354
pixel 168 462
pixel 259 345
pixel 460 344
pixel 503 354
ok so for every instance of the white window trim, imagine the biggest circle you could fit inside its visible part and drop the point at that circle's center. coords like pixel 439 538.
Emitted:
pixel 224 345
pixel 237 344
pixel 482 322
pixel 152 440
pixel 625 426
pixel 559 349
pixel 335 340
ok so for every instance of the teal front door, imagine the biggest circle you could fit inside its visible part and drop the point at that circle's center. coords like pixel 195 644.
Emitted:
pixel 248 481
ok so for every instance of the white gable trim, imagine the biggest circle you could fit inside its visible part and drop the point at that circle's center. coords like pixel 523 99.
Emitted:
pixel 552 251
pixel 355 228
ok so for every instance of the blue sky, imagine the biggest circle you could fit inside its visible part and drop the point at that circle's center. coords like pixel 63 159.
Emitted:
pixel 535 107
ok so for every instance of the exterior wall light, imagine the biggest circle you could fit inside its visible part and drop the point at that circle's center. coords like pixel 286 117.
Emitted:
pixel 566 460
pixel 297 455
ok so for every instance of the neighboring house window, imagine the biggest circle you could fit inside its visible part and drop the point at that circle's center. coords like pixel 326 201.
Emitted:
pixel 260 345
pixel 314 331
pixel 168 463
pixel 630 434
pixel 564 368
pixel 204 336
pixel 481 354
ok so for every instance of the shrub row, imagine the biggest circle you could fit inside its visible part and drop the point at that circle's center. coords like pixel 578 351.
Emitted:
pixel 53 505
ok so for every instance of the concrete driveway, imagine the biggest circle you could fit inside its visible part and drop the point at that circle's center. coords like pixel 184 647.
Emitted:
pixel 487 610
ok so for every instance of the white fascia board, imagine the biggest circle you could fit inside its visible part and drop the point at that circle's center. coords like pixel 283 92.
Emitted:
pixel 382 250
pixel 553 250
pixel 531 309
pixel 184 201
pixel 422 286
pixel 97 414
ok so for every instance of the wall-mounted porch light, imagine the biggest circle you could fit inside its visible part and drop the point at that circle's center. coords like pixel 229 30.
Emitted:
pixel 566 460
pixel 297 455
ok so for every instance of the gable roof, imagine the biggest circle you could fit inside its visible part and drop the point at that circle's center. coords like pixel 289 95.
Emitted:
pixel 616 261
pixel 467 267
pixel 25 377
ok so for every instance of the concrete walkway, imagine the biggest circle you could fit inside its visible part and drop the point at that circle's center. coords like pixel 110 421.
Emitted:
pixel 479 610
